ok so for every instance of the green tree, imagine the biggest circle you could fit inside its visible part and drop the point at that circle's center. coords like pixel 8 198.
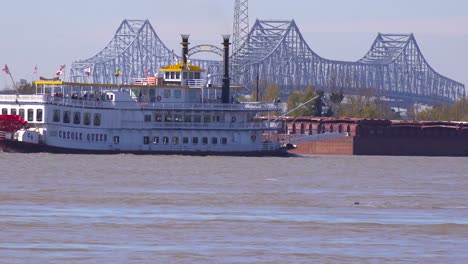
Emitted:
pixel 22 89
pixel 271 93
pixel 262 89
pixel 312 108
pixel 335 102
pixel 367 106
pixel 456 112
pixel 27 89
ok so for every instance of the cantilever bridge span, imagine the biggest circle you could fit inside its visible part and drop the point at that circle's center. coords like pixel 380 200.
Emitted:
pixel 136 50
pixel 277 52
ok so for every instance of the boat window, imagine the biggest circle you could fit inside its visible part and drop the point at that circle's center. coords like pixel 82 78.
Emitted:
pixel 39 115
pixel 147 118
pixel 155 140
pixel 175 140
pixel 13 111
pixel 185 140
pixel 206 119
pixel 158 117
pixel 168 118
pixel 177 93
pixel 165 140
pixel 177 76
pixel 214 140
pixel 167 75
pixel 21 113
pixel 224 141
pixel 172 75
pixel 197 75
pixel 116 140
pixel 195 140
pixel 167 93
pixel 134 92
pixel 146 140
pixel 87 119
pixel 187 118
pixel 204 140
pixel 76 118
pixel 152 94
pixel 66 116
pixel 4 111
pixel 30 115
pixel 56 115
pixel 197 118
pixel 178 118
pixel 97 119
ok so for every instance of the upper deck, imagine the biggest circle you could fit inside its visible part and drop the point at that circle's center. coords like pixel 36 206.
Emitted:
pixel 109 96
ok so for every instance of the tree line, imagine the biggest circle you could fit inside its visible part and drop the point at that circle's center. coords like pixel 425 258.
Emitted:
pixel 27 88
pixel 336 104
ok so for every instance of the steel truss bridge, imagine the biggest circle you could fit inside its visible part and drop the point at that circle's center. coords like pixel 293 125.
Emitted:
pixel 276 51
pixel 137 51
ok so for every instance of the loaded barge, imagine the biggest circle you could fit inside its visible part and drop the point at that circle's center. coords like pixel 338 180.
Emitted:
pixel 355 136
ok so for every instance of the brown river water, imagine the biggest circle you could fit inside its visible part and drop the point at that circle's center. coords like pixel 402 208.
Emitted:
pixel 182 209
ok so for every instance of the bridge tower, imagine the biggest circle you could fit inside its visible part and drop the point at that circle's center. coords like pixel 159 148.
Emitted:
pixel 241 24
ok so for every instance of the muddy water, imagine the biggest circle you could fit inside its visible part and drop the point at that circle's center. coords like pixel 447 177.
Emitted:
pixel 178 209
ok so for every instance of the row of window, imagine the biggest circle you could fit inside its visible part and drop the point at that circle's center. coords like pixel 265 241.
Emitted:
pixel 26 114
pixel 145 94
pixel 184 140
pixel 182 118
pixel 67 118
pixel 177 93
pixel 167 93
pixel 185 75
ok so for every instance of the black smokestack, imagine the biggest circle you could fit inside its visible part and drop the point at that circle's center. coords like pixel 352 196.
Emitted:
pixel 225 90
pixel 185 44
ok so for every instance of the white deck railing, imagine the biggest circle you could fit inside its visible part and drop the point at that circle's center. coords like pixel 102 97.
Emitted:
pixel 48 99
pixel 195 125
pixel 26 98
pixel 194 83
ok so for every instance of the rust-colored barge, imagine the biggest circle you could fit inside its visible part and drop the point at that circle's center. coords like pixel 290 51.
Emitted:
pixel 377 137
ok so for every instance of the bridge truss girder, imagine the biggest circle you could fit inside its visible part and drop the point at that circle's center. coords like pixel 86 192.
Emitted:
pixel 135 50
pixel 276 50
pixel 394 66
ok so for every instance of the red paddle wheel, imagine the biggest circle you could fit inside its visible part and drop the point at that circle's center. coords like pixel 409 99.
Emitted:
pixel 11 123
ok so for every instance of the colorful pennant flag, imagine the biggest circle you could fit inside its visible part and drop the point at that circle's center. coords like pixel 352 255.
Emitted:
pixel 87 71
pixel 117 72
pixel 61 70
pixel 6 70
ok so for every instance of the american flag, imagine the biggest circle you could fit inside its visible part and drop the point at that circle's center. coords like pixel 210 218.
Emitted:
pixel 60 71
pixel 6 70
pixel 87 71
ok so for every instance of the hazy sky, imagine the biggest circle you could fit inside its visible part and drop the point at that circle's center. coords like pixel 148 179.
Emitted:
pixel 52 32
